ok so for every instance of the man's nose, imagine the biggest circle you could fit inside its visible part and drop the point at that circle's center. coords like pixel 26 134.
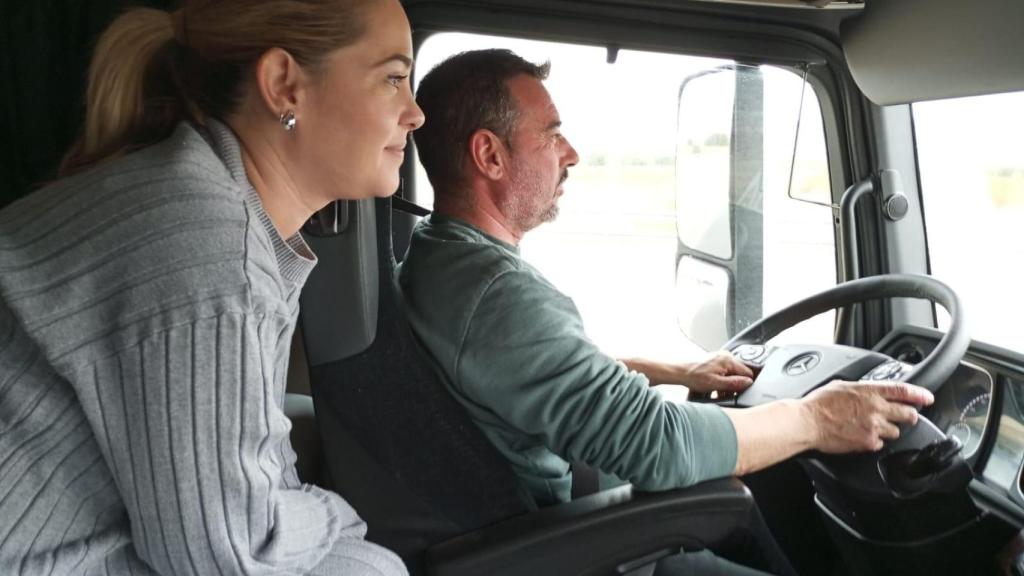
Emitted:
pixel 571 157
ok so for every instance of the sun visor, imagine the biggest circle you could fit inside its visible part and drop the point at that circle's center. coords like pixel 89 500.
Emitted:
pixel 910 50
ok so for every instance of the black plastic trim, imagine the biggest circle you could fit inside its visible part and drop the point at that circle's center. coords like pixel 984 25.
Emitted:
pixel 1003 365
pixel 599 533
pixel 995 501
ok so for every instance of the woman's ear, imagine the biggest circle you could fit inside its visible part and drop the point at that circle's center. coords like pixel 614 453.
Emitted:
pixel 280 82
pixel 488 154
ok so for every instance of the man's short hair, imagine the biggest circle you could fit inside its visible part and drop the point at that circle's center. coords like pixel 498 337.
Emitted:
pixel 461 95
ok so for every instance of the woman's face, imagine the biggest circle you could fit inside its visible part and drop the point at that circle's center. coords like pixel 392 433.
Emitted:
pixel 351 137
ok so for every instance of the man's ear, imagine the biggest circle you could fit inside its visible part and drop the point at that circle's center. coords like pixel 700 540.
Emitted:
pixel 280 82
pixel 488 154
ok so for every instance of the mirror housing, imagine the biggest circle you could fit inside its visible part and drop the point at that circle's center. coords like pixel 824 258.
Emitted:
pixel 703 314
pixel 719 202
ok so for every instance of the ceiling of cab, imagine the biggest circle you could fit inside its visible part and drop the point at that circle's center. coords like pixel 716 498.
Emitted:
pixel 911 50
pixel 820 16
pixel 831 4
pixel 898 51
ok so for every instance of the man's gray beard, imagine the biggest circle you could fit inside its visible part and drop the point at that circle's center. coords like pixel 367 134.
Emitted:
pixel 550 215
pixel 517 213
pixel 518 209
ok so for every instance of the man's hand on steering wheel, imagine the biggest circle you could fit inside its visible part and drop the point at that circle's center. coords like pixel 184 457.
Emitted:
pixel 860 416
pixel 803 400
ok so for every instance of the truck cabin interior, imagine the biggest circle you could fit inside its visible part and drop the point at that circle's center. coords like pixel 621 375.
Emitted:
pixel 812 168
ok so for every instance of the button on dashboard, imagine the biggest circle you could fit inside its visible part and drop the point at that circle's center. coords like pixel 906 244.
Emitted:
pixel 754 354
pixel 890 370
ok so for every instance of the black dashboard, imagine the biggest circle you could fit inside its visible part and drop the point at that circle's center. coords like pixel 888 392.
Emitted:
pixel 1003 466
pixel 982 405
pixel 962 407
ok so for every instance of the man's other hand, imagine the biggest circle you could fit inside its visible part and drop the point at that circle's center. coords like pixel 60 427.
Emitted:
pixel 721 372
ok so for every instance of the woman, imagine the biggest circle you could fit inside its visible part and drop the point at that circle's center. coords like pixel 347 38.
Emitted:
pixel 147 300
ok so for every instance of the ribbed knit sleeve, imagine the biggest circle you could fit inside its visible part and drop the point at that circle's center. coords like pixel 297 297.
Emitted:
pixel 196 441
pixel 146 312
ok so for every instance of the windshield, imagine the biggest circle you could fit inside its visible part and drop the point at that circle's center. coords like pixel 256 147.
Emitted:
pixel 661 258
pixel 971 160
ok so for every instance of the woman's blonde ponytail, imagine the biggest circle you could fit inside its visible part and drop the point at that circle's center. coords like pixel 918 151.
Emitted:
pixel 151 69
pixel 131 99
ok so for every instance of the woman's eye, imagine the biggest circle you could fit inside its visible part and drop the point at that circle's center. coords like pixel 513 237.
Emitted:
pixel 397 79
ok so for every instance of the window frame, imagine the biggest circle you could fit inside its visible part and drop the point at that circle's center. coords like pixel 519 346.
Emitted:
pixel 920 188
pixel 843 107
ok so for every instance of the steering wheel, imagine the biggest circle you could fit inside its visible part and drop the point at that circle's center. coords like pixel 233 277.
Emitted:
pixel 792 371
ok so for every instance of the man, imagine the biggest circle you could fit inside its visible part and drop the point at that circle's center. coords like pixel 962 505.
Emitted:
pixel 511 347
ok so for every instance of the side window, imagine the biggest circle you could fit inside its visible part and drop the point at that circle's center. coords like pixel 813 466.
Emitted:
pixel 677 227
pixel 971 162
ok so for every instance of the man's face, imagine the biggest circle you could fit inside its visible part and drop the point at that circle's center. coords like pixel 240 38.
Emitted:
pixel 540 157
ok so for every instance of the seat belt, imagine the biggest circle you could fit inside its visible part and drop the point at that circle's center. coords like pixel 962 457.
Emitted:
pixel 584 480
pixel 402 205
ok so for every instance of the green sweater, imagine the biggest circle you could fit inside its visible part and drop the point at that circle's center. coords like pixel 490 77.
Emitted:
pixel 512 350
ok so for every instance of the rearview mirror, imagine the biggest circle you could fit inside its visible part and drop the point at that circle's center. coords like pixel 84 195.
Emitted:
pixel 750 142
pixel 719 165
pixel 703 156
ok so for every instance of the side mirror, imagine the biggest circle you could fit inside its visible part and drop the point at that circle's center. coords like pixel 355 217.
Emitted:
pixel 704 297
pixel 719 197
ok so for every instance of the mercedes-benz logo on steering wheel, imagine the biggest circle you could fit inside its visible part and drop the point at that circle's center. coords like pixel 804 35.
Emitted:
pixel 803 364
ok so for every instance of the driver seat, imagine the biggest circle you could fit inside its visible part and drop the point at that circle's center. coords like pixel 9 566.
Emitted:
pixel 430 485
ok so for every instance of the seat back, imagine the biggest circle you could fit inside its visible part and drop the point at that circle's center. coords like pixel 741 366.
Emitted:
pixel 397 445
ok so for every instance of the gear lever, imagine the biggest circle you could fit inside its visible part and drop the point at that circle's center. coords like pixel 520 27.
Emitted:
pixel 909 473
pixel 933 458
